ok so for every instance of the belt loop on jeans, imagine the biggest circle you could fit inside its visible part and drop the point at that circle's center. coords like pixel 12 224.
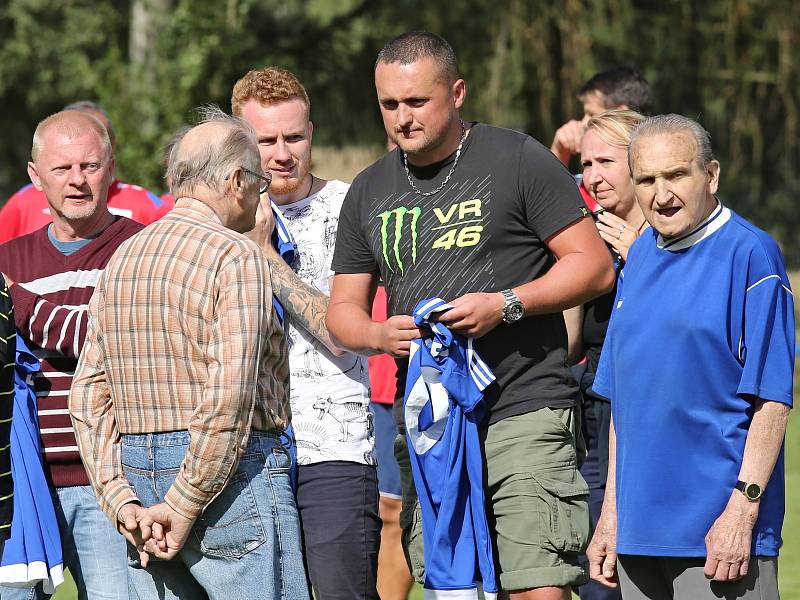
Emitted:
pixel 151 459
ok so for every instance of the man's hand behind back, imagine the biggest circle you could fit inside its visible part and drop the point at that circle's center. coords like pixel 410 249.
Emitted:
pixel 170 531
pixel 134 523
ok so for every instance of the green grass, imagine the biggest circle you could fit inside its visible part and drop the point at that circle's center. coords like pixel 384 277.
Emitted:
pixel 789 574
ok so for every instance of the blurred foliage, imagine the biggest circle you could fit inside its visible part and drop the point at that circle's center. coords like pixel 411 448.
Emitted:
pixel 733 64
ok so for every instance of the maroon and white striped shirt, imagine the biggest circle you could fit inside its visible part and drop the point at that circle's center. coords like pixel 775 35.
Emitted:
pixel 50 297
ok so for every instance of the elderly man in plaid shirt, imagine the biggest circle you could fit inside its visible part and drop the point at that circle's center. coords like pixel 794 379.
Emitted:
pixel 181 392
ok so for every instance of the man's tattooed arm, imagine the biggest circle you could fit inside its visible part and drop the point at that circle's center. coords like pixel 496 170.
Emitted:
pixel 306 306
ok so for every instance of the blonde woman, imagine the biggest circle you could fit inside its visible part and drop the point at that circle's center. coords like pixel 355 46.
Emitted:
pixel 604 156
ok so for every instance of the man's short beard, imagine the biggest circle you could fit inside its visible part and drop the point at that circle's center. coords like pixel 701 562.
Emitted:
pixel 75 213
pixel 281 187
pixel 429 144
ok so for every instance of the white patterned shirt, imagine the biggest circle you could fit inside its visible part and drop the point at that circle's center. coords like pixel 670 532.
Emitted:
pixel 329 394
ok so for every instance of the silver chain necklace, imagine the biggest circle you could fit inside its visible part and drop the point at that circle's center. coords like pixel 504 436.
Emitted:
pixel 449 175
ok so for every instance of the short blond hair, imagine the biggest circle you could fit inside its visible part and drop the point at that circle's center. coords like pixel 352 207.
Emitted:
pixel 268 86
pixel 72 123
pixel 615 127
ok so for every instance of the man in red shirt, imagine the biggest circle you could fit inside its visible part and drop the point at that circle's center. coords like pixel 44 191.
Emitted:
pixel 27 210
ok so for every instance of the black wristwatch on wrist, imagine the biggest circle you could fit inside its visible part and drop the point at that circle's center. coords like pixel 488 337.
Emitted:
pixel 751 491
pixel 513 310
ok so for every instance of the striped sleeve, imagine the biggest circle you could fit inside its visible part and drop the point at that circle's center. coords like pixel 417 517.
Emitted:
pixel 7 354
pixel 49 325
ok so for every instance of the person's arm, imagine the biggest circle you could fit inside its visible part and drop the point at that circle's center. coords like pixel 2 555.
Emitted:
pixel 91 409
pixel 602 550
pixel 573 319
pixel 220 425
pixel 305 305
pixel 583 271
pixel 728 542
pixel 350 319
pixel 567 140
pixel 47 324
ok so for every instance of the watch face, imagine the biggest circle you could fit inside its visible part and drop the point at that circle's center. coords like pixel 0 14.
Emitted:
pixel 513 312
pixel 753 491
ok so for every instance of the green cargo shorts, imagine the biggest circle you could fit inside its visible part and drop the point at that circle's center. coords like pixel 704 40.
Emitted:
pixel 537 501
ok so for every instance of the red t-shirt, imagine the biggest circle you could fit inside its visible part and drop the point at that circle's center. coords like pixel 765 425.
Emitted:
pixel 382 368
pixel 27 210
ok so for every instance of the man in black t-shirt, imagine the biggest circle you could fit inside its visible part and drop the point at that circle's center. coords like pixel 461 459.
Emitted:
pixel 491 222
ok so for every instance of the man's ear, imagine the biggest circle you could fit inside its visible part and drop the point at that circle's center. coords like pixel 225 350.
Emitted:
pixel 236 182
pixel 33 173
pixel 459 91
pixel 713 170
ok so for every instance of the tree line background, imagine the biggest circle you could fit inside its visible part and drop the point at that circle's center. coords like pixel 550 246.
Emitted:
pixel 732 64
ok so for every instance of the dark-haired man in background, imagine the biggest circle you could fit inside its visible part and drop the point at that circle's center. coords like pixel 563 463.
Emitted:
pixel 620 87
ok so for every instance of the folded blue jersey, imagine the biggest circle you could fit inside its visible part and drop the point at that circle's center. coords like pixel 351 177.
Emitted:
pixel 443 407
pixel 33 553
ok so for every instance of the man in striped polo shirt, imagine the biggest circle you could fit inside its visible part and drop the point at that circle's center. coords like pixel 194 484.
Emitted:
pixel 51 275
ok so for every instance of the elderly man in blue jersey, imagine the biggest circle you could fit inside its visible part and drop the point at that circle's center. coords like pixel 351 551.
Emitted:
pixel 698 365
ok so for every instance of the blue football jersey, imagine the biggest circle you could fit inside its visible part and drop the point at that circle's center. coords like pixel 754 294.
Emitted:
pixel 443 407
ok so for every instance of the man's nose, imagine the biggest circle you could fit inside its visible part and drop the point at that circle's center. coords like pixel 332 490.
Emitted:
pixel 76 176
pixel 405 116
pixel 663 193
pixel 282 153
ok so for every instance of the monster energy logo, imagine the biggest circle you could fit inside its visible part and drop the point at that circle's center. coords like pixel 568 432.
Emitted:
pixel 397 217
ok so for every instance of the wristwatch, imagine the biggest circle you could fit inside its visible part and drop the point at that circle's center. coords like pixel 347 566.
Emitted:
pixel 513 310
pixel 751 491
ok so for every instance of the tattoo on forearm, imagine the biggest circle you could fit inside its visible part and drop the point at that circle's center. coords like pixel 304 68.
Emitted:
pixel 306 306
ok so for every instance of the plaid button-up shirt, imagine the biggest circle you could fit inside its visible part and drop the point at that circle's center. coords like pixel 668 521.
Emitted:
pixel 181 336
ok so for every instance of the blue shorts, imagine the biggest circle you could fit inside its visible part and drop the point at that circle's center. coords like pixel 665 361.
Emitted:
pixel 385 432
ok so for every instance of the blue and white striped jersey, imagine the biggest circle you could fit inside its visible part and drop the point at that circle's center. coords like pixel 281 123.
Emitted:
pixel 443 408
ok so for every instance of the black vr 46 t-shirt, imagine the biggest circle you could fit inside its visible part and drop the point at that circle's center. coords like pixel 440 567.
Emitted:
pixel 484 232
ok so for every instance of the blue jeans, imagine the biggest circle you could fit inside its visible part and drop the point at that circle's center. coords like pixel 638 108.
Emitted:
pixel 93 551
pixel 246 544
